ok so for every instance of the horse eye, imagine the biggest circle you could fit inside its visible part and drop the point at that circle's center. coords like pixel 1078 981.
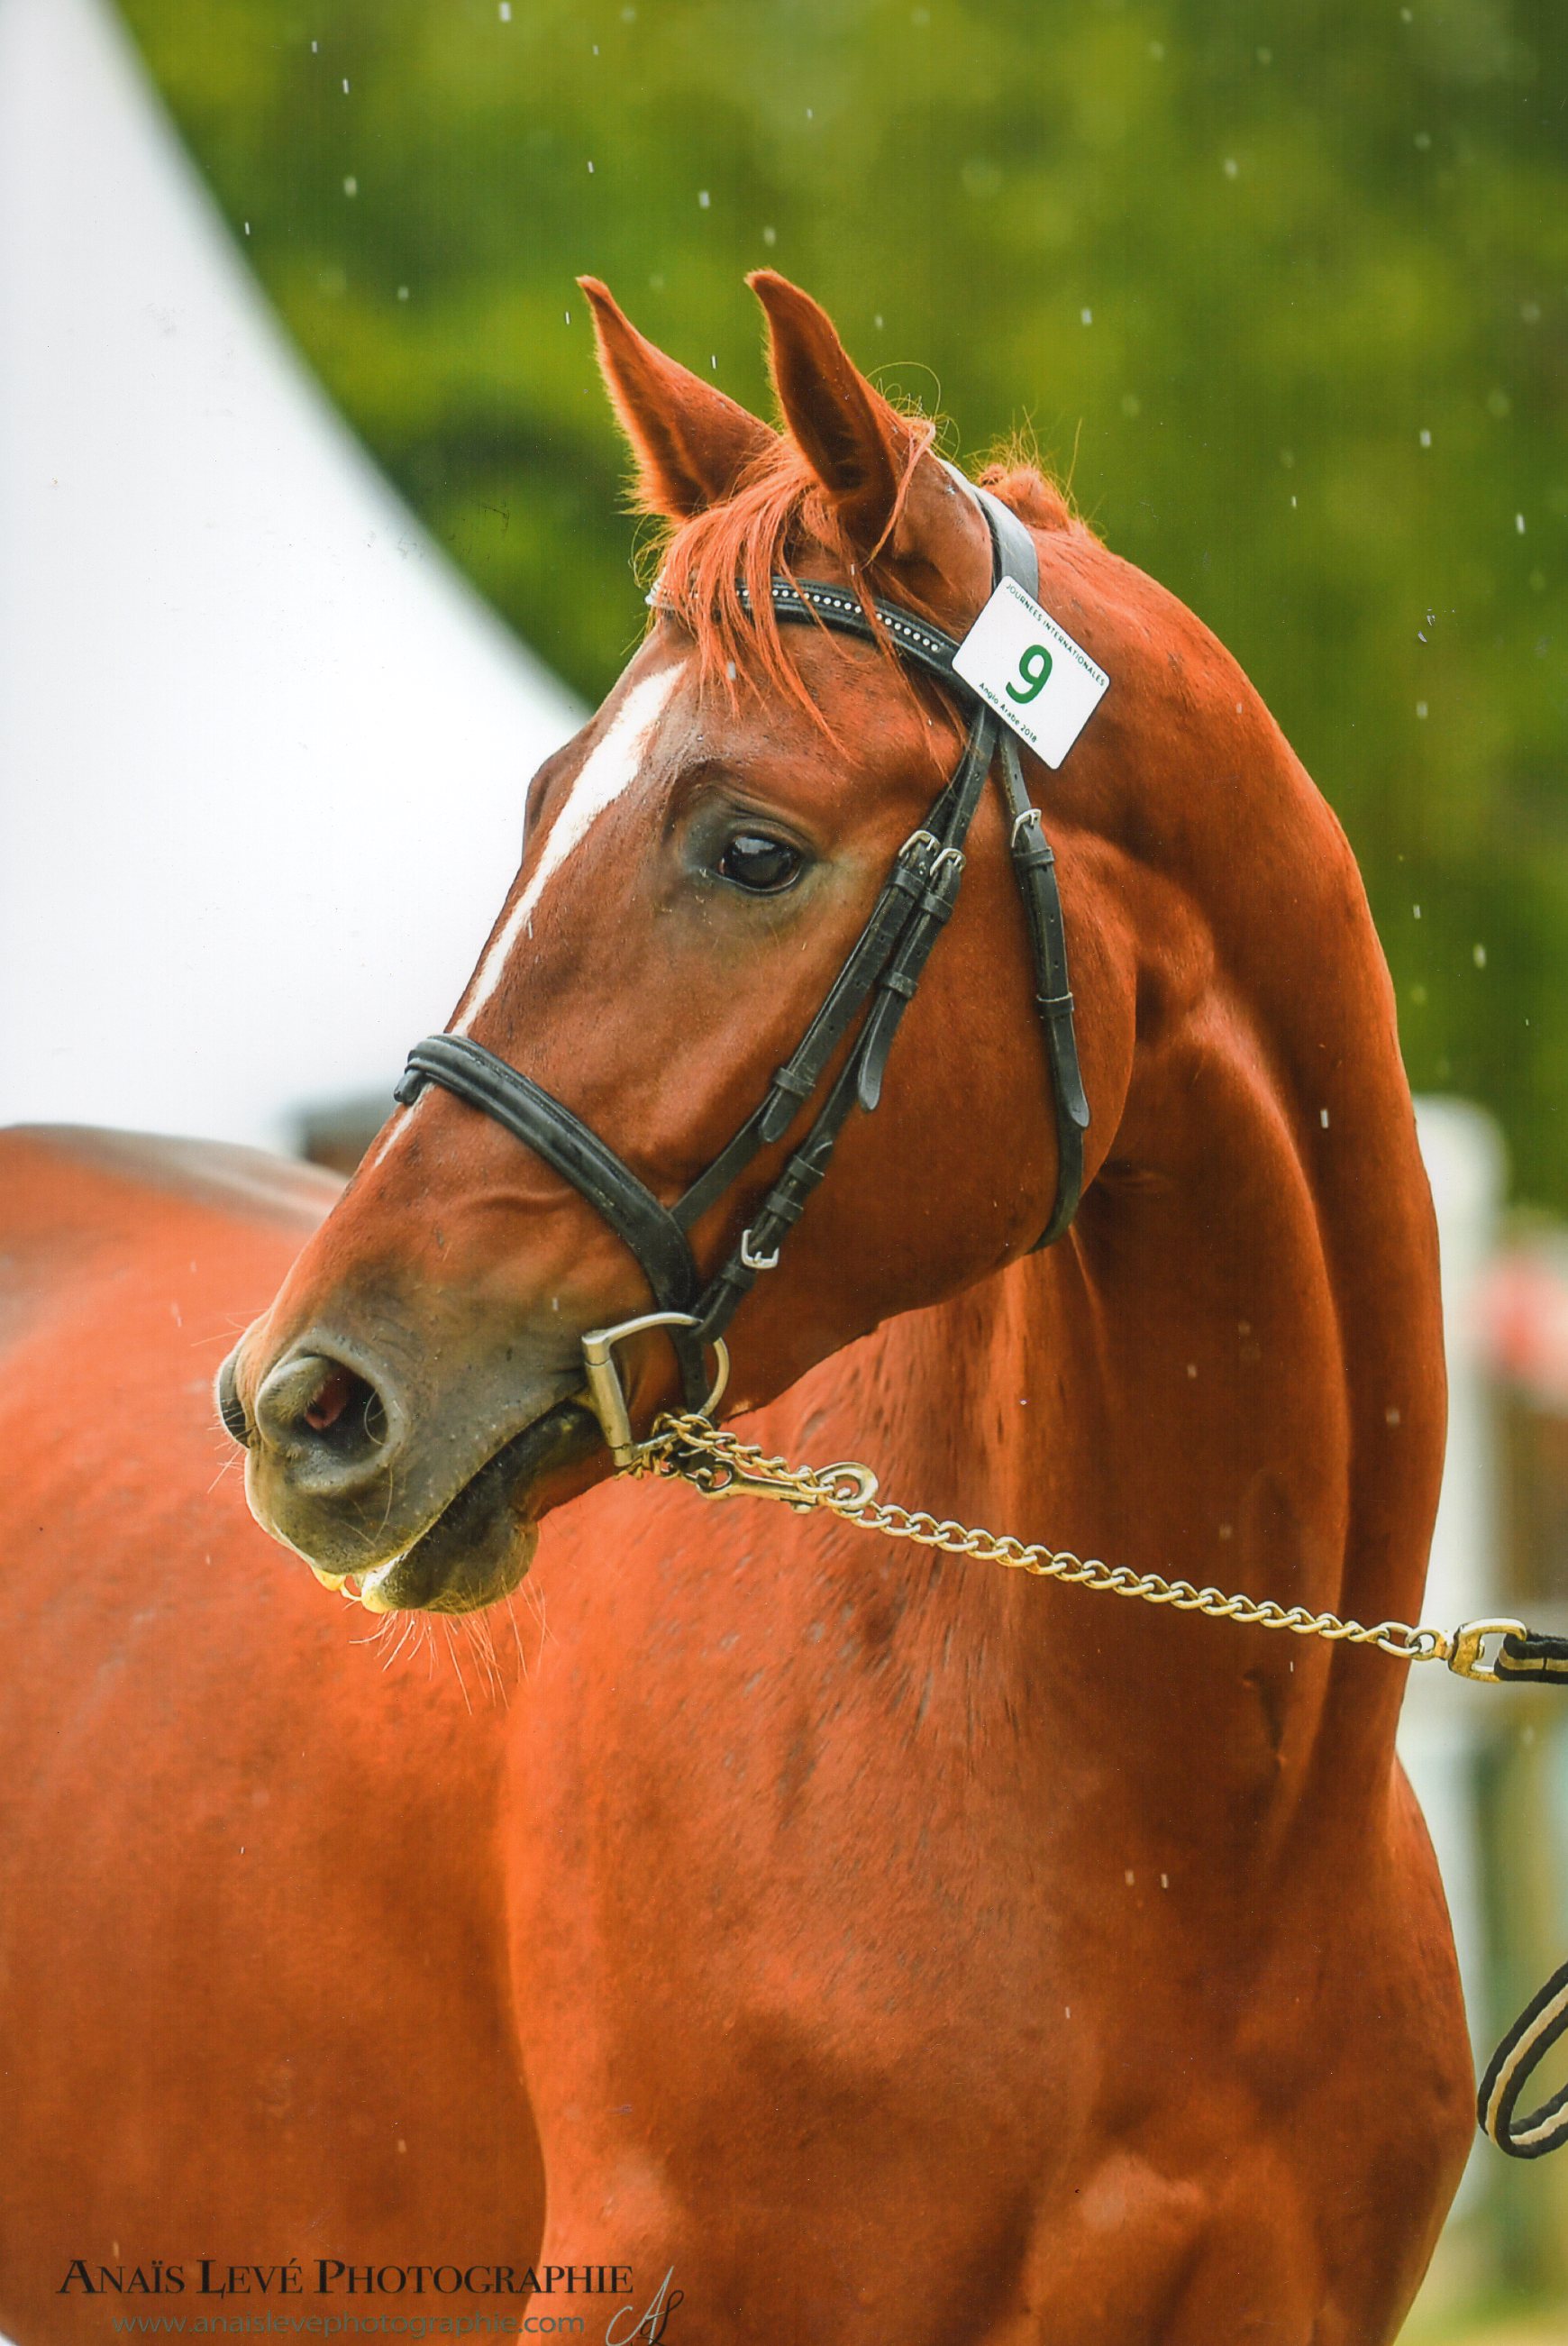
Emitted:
pixel 761 864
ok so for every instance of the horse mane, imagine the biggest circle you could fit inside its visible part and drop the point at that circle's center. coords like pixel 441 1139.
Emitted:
pixel 776 514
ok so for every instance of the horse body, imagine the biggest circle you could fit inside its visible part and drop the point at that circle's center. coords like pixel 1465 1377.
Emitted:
pixel 1015 1963
pixel 255 2004
pixel 896 1946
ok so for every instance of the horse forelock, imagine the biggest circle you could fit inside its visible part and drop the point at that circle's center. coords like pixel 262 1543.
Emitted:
pixel 778 520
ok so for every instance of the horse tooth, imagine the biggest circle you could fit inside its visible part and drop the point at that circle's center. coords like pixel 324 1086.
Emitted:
pixel 328 1580
pixel 370 1595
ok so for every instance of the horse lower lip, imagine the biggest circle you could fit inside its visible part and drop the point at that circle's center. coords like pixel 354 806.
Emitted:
pixel 470 1539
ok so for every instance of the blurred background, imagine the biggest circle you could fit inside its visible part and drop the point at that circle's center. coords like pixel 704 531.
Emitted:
pixel 313 540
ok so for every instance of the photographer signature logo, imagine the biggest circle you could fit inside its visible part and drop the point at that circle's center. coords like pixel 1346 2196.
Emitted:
pixel 649 2326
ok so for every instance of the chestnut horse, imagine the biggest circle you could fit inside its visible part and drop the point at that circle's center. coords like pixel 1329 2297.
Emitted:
pixel 883 1946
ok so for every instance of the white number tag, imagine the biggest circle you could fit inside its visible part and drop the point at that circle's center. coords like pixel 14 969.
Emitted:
pixel 1026 667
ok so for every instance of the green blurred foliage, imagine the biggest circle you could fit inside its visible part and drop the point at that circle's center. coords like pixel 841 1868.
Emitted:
pixel 1284 288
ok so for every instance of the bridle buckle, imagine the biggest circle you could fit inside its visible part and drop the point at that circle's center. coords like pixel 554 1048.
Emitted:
pixel 606 1393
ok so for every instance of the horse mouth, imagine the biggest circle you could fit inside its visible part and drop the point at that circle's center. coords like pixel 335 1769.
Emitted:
pixel 482 1544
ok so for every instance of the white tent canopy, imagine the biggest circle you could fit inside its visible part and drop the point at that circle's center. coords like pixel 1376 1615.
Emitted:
pixel 262 752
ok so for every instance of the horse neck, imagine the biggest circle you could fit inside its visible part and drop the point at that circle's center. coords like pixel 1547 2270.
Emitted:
pixel 1230 1371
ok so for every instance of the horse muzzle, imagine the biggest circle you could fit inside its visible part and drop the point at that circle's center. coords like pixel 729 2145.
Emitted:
pixel 443 1521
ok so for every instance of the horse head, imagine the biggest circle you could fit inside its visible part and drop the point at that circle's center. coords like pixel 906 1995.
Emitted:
pixel 698 865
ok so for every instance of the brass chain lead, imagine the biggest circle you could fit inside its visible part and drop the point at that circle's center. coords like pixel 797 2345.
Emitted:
pixel 686 1447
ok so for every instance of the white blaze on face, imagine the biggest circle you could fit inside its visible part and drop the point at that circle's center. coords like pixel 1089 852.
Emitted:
pixel 610 768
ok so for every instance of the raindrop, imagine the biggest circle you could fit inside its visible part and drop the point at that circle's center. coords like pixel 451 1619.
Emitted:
pixel 1425 438
pixel 877 321
pixel 1231 167
pixel 1165 1881
pixel 505 11
pixel 345 85
pixel 703 199
pixel 1531 313
pixel 713 362
pixel 1423 139
pixel 1519 523
pixel 1323 1117
pixel 1157 51
pixel 1127 1877
pixel 1391 1417
pixel 1420 637
pixel 403 292
pixel 770 236
pixel 590 170
pixel 1293 501
pixel 1420 711
pixel 1416 908
pixel 1478 955
pixel 811 114
pixel 1087 317
pixel 1266 57
pixel 351 186
pixel 247 228
pixel 314 46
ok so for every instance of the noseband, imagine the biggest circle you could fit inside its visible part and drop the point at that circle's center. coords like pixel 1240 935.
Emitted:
pixel 878 978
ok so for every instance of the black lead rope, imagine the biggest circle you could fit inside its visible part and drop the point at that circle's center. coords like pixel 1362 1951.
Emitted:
pixel 876 984
pixel 1528 1658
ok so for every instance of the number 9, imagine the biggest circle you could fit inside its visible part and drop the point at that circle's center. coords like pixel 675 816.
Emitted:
pixel 1035 667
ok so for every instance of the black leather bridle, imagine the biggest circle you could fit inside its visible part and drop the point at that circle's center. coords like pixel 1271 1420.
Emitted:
pixel 878 978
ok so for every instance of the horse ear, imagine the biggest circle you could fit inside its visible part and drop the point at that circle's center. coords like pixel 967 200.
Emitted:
pixel 861 449
pixel 691 443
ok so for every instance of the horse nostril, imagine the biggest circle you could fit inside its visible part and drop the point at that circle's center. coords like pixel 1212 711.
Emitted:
pixel 311 1406
pixel 334 1394
pixel 230 1408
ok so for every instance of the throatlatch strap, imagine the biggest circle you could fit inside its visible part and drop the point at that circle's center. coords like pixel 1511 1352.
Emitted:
pixel 1034 866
